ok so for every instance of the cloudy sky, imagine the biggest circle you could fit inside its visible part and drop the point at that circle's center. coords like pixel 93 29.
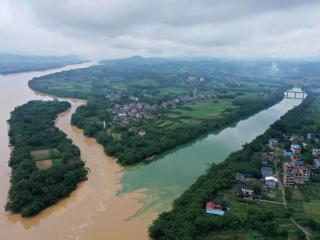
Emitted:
pixel 119 28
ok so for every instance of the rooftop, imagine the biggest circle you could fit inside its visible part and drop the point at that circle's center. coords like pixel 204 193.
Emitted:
pixel 213 206
pixel 271 179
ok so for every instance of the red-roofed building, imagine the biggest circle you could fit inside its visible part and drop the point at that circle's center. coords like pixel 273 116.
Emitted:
pixel 216 209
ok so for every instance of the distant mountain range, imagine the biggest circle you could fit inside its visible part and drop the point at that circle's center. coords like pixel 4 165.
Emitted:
pixel 272 68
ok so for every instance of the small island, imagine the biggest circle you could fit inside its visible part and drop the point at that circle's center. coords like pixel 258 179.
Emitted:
pixel 45 165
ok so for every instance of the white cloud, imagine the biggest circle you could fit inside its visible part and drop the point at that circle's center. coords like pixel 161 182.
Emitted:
pixel 116 28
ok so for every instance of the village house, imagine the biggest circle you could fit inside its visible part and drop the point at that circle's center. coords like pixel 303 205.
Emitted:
pixel 316 164
pixel 271 182
pixel 266 172
pixel 296 138
pixel 296 157
pixel 287 153
pixel 121 119
pixel 239 177
pixel 273 143
pixel 247 191
pixel 133 98
pixel 311 136
pixel 248 175
pixel 215 209
pixel 114 96
pixel 194 80
pixel 269 156
pixel 286 136
pixel 296 149
pixel 297 162
pixel 293 175
pixel 316 152
pixel 141 133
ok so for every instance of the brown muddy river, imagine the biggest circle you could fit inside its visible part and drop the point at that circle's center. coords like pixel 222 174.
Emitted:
pixel 93 211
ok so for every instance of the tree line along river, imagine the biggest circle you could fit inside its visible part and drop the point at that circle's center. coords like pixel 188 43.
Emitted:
pixel 115 203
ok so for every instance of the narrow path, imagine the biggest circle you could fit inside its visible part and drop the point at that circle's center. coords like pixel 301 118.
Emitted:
pixel 280 183
pixel 265 201
pixel 306 233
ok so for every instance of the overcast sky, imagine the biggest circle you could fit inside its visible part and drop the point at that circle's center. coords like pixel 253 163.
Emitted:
pixel 120 28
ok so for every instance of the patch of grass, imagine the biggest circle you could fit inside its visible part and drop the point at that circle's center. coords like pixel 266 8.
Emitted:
pixel 312 209
pixel 296 194
pixel 201 110
pixel 146 82
pixel 174 90
pixel 278 195
pixel 40 154
pixel 57 162
pixel 45 154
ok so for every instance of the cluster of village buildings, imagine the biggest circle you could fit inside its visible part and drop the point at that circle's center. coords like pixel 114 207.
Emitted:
pixel 295 170
pixel 195 80
pixel 122 114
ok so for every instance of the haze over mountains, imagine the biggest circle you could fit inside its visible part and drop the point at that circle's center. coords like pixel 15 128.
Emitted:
pixel 12 63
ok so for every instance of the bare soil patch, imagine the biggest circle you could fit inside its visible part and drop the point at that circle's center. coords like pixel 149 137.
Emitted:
pixel 44 164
